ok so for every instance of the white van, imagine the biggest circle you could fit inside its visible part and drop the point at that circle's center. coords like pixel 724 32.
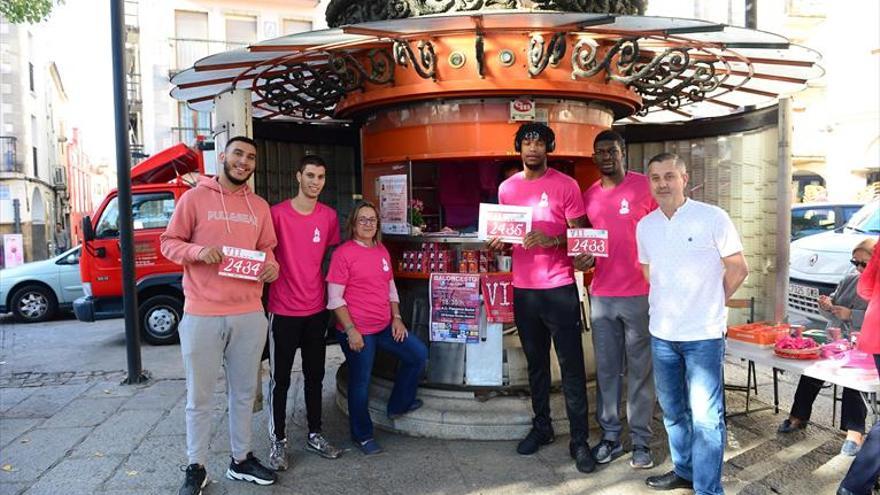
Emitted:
pixel 819 262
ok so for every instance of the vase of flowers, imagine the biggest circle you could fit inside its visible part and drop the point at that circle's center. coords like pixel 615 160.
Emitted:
pixel 416 207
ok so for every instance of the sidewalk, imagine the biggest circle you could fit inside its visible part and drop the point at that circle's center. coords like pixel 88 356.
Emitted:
pixel 83 433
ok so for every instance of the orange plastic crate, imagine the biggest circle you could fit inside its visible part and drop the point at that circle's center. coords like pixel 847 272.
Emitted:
pixel 761 333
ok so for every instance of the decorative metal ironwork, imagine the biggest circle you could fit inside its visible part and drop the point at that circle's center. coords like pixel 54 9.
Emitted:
pixel 620 7
pixel 539 57
pixel 426 64
pixel 302 90
pixel 672 79
pixel 668 79
pixel 342 12
pixel 352 73
pixel 481 55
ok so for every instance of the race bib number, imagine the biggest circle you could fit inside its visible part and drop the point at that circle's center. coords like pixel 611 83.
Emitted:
pixel 504 222
pixel 242 263
pixel 508 229
pixel 588 241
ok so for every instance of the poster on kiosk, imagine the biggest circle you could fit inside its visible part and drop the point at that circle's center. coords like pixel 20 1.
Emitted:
pixel 393 204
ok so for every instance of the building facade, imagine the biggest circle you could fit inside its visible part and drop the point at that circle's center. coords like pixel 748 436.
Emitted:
pixel 836 119
pixel 32 175
pixel 171 35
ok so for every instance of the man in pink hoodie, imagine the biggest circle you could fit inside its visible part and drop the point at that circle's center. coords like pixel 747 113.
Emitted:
pixel 223 321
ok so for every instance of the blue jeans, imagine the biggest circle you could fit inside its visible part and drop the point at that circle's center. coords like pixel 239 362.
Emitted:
pixel 412 354
pixel 687 376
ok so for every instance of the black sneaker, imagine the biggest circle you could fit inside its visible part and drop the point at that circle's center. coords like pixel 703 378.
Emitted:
pixel 607 451
pixel 251 470
pixel 534 440
pixel 196 479
pixel 583 458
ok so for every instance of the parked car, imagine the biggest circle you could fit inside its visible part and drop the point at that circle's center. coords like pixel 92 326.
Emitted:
pixel 815 218
pixel 36 291
pixel 819 262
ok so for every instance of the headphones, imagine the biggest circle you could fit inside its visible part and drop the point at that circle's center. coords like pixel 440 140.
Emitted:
pixel 535 130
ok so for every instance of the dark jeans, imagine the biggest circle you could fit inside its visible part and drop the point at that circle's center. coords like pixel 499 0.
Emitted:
pixel 286 335
pixel 865 469
pixel 852 409
pixel 542 314
pixel 412 354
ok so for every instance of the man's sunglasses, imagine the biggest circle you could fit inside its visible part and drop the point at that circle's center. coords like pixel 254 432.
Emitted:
pixel 856 263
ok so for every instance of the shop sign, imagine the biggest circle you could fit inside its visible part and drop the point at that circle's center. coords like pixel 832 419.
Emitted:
pixel 498 297
pixel 455 307
pixel 522 109
pixel 506 222
pixel 13 250
pixel 241 263
pixel 588 241
pixel 393 204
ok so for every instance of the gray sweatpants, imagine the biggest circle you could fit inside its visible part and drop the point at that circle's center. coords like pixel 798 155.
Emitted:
pixel 621 341
pixel 207 342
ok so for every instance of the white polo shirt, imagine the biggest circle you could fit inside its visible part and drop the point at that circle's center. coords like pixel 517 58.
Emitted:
pixel 686 273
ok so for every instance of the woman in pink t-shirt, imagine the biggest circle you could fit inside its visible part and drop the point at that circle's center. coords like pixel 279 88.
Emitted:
pixel 361 292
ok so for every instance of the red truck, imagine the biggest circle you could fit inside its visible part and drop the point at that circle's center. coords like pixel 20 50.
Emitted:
pixel 157 184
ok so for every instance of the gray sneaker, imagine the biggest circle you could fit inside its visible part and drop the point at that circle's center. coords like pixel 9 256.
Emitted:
pixel 319 445
pixel 278 455
pixel 641 458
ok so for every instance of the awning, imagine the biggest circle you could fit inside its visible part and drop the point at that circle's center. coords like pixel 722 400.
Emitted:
pixel 750 68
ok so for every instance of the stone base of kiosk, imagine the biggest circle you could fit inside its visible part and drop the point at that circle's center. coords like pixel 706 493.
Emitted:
pixel 461 414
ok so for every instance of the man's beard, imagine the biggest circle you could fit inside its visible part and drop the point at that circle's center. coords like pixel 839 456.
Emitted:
pixel 609 173
pixel 238 182
pixel 534 166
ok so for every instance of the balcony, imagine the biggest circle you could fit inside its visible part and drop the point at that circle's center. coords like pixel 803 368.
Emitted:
pixel 60 179
pixel 133 89
pixel 186 51
pixel 132 20
pixel 9 156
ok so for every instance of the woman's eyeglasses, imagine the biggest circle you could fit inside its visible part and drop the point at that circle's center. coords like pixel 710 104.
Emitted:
pixel 367 221
pixel 858 264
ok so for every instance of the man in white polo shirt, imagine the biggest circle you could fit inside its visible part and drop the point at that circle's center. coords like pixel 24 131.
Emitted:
pixel 692 256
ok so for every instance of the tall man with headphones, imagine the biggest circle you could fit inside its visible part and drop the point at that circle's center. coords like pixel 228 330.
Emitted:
pixel 546 302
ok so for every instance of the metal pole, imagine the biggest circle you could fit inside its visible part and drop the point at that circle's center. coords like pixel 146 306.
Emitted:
pixel 752 14
pixel 783 203
pixel 16 216
pixel 123 174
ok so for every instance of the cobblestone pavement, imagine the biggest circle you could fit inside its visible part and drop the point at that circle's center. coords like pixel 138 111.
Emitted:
pixel 78 431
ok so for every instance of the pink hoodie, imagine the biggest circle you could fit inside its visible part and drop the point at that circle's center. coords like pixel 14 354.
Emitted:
pixel 209 215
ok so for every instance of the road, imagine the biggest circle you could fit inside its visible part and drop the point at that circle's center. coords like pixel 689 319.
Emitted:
pixel 67 345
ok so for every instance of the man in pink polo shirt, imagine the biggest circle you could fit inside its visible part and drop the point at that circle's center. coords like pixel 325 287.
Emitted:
pixel 619 303
pixel 306 230
pixel 546 302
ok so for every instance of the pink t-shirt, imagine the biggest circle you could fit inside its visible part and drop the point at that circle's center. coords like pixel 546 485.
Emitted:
pixel 618 210
pixel 555 198
pixel 302 242
pixel 366 273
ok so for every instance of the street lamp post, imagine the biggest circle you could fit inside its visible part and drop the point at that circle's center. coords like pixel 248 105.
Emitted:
pixel 136 373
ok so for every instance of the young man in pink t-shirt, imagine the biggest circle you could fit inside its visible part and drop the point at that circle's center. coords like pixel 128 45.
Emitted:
pixel 306 230
pixel 619 303
pixel 546 302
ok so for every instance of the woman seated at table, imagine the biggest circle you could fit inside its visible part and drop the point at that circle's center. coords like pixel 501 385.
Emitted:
pixel 362 294
pixel 846 310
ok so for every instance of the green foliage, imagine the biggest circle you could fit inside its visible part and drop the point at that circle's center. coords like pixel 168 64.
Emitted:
pixel 30 11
